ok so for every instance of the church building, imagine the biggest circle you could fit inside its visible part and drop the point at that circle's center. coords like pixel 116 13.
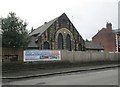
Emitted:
pixel 57 34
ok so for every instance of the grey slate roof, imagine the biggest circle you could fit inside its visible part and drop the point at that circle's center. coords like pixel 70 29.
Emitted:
pixel 116 31
pixel 93 46
pixel 42 28
pixel 32 42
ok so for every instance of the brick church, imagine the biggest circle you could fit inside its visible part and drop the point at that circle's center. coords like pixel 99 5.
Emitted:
pixel 57 34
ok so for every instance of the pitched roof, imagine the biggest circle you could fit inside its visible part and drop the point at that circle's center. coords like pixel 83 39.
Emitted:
pixel 100 32
pixel 42 28
pixel 91 45
pixel 32 42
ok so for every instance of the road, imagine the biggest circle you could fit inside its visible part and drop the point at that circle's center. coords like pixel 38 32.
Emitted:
pixel 101 77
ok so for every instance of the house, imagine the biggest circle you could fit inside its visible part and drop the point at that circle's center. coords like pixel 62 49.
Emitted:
pixel 106 37
pixel 57 34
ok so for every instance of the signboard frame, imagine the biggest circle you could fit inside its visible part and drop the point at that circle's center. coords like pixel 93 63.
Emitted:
pixel 41 55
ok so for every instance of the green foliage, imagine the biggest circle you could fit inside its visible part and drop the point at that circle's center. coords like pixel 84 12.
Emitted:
pixel 14 33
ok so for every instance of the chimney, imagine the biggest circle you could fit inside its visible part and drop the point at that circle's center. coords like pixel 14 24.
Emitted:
pixel 109 26
pixel 45 22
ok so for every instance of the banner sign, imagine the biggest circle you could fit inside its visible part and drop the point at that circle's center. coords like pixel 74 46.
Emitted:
pixel 41 55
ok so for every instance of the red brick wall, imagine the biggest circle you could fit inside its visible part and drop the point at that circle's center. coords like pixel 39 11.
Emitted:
pixel 106 38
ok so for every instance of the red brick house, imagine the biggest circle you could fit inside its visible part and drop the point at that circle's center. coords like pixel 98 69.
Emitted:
pixel 106 38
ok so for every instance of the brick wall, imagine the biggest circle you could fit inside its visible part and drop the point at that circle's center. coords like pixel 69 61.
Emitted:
pixel 106 38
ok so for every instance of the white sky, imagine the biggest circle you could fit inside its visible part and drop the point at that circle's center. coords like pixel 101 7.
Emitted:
pixel 89 16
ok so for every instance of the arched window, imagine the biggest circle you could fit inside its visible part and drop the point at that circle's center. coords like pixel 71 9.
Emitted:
pixel 68 42
pixel 60 41
pixel 46 45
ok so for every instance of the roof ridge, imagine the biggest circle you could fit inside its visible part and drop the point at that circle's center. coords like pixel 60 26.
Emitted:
pixel 45 26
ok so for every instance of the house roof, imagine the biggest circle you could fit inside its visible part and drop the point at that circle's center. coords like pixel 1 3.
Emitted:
pixel 42 28
pixel 32 42
pixel 94 46
pixel 116 31
pixel 100 32
pixel 38 31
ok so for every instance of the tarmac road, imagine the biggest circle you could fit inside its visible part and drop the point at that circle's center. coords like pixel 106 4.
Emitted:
pixel 102 77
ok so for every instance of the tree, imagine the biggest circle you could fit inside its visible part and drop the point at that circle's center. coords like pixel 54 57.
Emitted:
pixel 14 32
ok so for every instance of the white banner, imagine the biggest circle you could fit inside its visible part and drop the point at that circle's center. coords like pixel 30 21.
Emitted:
pixel 41 55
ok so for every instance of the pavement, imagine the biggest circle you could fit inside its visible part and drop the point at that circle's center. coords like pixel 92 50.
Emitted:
pixel 47 72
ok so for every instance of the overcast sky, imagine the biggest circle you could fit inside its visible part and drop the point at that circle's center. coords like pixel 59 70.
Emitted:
pixel 88 16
